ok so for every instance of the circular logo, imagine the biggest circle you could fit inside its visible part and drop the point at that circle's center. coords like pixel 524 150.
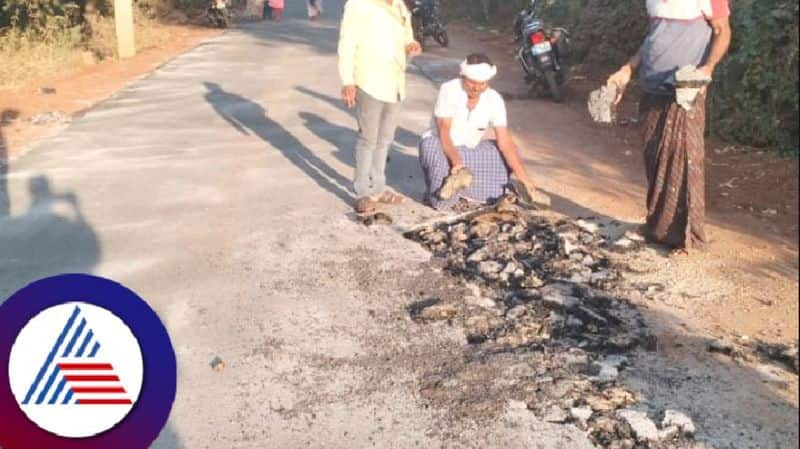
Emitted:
pixel 89 365
pixel 76 370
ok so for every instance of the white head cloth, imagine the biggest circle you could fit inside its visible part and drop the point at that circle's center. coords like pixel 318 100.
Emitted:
pixel 481 73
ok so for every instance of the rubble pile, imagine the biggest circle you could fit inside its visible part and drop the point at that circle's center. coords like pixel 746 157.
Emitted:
pixel 543 287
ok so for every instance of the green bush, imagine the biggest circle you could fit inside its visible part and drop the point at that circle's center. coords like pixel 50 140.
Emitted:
pixel 755 98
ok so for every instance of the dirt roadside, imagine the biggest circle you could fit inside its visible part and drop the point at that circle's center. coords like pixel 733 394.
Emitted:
pixel 746 283
pixel 72 92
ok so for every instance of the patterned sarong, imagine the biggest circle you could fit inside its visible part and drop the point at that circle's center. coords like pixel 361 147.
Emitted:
pixel 674 162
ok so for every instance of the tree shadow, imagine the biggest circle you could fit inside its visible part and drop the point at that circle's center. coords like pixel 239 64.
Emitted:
pixel 5 201
pixel 52 237
pixel 249 117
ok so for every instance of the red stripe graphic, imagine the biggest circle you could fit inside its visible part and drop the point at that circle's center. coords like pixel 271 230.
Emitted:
pixel 104 401
pixel 91 378
pixel 98 390
pixel 85 366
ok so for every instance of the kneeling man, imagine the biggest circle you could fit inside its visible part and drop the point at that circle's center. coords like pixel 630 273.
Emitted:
pixel 460 158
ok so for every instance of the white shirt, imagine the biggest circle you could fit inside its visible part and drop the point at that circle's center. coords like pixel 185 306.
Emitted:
pixel 468 127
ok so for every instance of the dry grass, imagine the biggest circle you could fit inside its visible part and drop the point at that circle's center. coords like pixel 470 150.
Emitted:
pixel 25 57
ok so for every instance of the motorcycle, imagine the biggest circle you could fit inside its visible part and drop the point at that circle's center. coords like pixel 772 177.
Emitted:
pixel 542 52
pixel 426 21
pixel 218 14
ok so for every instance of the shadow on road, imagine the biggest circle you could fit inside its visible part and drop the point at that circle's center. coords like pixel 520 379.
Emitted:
pixel 249 117
pixel 343 139
pixel 5 202
pixel 403 136
pixel 51 237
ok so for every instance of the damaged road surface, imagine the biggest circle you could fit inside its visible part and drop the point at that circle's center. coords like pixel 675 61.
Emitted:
pixel 543 302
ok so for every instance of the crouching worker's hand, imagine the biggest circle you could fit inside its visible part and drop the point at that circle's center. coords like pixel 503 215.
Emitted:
pixel 349 96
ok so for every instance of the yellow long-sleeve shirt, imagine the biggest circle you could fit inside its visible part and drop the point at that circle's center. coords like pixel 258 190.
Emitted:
pixel 372 47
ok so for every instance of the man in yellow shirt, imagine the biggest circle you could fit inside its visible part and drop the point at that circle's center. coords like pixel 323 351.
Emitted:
pixel 376 40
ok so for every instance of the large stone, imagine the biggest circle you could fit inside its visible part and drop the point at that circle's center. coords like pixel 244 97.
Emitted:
pixel 679 420
pixel 489 267
pixel 559 295
pixel 643 427
pixel 556 415
pixel 581 414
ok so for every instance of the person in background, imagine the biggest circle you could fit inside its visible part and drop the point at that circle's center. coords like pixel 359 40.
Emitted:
pixel 314 9
pixel 255 9
pixel 682 33
pixel 376 40
pixel 468 111
pixel 277 9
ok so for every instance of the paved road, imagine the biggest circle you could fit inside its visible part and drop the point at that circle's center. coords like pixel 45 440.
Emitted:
pixel 218 188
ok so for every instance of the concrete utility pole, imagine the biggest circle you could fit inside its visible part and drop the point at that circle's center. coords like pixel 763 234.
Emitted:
pixel 123 20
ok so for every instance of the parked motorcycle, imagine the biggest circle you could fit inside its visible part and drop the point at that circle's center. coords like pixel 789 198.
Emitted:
pixel 542 52
pixel 427 21
pixel 218 14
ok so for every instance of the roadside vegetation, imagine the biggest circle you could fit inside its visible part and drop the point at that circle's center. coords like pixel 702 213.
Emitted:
pixel 43 37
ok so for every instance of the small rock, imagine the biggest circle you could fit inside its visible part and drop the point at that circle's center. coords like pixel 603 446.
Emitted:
pixel 559 295
pixel 516 405
pixel 439 312
pixel 668 433
pixel 643 427
pixel 588 226
pixel 607 374
pixel 623 243
pixel 516 312
pixel 567 243
pixel 46 91
pixel 617 361
pixel 510 268
pixel 556 415
pixel 489 267
pixel 620 397
pixel 482 302
pixel 599 404
pixel 217 364
pixel 532 281
pixel 679 420
pixel 581 414
pixel 769 373
pixel 574 322
pixel 48 117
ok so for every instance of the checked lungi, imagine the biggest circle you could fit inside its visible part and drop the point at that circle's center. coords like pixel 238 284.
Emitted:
pixel 674 160
pixel 489 171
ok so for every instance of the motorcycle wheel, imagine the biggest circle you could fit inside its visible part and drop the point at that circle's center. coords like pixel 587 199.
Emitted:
pixel 442 38
pixel 552 85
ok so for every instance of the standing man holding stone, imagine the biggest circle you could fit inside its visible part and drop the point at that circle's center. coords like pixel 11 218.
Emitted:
pixel 376 40
pixel 686 36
